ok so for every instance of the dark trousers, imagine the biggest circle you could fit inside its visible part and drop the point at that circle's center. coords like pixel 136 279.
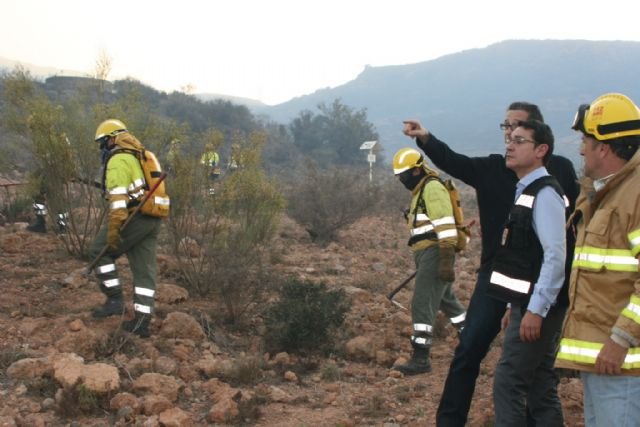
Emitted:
pixel 138 242
pixel 482 324
pixel 525 388
pixel 431 293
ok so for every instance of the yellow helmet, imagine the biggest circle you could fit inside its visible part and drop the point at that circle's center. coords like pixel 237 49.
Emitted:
pixel 109 127
pixel 610 116
pixel 405 159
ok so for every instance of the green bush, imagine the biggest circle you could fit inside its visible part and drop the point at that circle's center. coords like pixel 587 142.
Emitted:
pixel 304 318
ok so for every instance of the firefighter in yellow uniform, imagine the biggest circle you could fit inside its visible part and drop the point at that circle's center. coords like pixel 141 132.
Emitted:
pixel 124 185
pixel 173 156
pixel 211 161
pixel 433 237
pixel 601 335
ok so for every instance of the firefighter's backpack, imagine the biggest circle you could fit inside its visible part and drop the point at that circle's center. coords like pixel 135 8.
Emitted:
pixel 158 204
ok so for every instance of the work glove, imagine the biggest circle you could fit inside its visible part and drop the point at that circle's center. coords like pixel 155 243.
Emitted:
pixel 446 263
pixel 113 238
pixel 116 218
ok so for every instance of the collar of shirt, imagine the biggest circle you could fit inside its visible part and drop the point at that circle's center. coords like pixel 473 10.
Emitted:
pixel 599 183
pixel 529 178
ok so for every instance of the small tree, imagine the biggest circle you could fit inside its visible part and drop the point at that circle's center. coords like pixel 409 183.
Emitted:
pixel 57 138
pixel 222 240
pixel 334 135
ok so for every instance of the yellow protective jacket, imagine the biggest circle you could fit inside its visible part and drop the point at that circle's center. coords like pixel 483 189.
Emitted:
pixel 430 217
pixel 210 159
pixel 123 180
pixel 604 291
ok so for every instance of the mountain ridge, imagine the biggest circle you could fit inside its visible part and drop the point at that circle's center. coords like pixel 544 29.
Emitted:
pixel 475 86
pixel 461 97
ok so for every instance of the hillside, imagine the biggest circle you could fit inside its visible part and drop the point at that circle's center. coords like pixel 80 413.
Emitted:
pixel 193 371
pixel 462 97
pixel 39 71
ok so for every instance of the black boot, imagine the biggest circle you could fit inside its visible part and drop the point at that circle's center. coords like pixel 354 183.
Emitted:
pixel 62 222
pixel 418 364
pixel 39 225
pixel 113 306
pixel 139 325
pixel 459 327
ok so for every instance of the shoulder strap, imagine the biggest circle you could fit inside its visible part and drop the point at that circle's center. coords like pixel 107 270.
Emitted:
pixel 544 181
pixel 119 150
pixel 138 155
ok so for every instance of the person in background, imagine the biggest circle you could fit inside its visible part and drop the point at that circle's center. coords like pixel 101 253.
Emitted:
pixel 210 159
pixel 495 186
pixel 433 237
pixel 601 335
pixel 124 183
pixel 528 273
pixel 173 156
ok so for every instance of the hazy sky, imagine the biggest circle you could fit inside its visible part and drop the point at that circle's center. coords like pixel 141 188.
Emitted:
pixel 274 50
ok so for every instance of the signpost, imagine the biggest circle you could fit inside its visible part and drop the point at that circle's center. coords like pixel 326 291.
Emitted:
pixel 371 158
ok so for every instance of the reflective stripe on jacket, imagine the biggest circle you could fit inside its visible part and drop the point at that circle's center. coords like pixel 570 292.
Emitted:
pixel 604 290
pixel 431 218
pixel 123 179
pixel 519 258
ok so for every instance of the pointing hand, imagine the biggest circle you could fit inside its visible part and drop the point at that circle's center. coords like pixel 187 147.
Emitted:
pixel 413 128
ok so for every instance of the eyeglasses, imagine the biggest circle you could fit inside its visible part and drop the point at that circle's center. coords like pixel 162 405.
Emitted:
pixel 518 140
pixel 505 126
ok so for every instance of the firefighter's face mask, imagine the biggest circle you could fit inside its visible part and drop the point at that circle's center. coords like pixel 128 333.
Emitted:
pixel 409 180
pixel 102 142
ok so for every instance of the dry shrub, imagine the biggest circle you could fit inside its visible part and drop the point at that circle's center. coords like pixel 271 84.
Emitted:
pixel 326 201
pixel 78 400
pixel 9 356
pixel 222 242
pixel 245 370
pixel 116 341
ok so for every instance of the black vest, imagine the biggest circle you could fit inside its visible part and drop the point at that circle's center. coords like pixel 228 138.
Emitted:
pixel 518 260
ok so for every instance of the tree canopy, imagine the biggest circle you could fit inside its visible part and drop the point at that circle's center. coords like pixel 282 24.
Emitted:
pixel 334 135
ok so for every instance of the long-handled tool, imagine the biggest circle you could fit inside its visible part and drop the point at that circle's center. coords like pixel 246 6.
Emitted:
pixel 397 289
pixel 146 197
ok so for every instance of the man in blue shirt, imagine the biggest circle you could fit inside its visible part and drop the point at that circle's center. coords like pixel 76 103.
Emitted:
pixel 528 272
pixel 494 184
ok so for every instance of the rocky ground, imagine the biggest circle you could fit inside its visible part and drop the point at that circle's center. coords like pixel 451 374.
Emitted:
pixel 60 367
